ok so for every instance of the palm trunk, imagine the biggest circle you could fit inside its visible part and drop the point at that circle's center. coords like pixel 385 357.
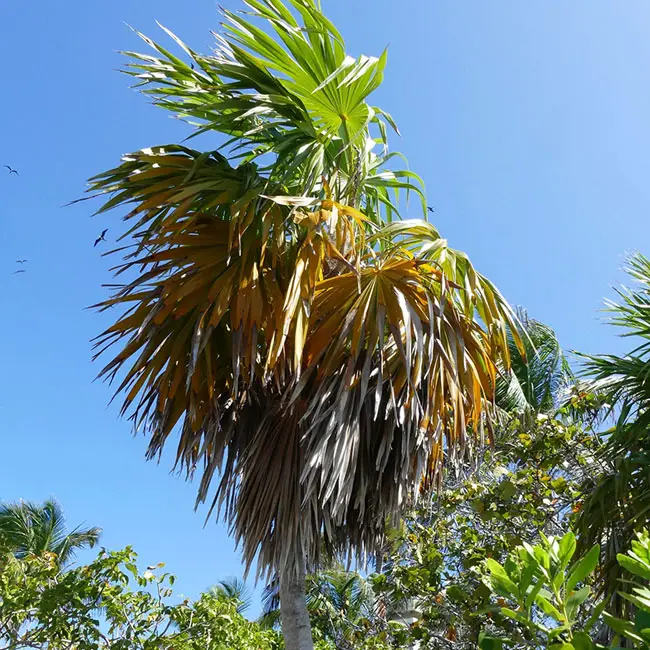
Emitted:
pixel 296 627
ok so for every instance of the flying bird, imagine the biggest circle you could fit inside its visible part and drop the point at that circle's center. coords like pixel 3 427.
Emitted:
pixel 12 170
pixel 21 261
pixel 101 237
pixel 430 209
pixel 21 271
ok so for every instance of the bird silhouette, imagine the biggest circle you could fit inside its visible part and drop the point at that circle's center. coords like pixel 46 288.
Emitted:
pixel 12 170
pixel 21 261
pixel 21 271
pixel 101 237
pixel 430 209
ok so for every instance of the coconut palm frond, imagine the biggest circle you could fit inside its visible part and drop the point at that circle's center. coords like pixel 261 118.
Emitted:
pixel 29 528
pixel 236 590
pixel 539 379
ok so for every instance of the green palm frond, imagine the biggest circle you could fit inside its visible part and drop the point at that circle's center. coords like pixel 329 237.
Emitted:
pixel 236 590
pixel 538 380
pixel 336 598
pixel 28 528
pixel 289 98
pixel 618 502
pixel 625 379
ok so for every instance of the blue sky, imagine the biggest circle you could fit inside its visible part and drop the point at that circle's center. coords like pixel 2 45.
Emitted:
pixel 529 122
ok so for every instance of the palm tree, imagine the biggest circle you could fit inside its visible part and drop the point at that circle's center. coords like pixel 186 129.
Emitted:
pixel 32 529
pixel 301 340
pixel 537 380
pixel 234 590
pixel 618 502
pixel 342 606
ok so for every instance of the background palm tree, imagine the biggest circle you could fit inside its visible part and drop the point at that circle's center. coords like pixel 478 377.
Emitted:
pixel 342 606
pixel 537 380
pixel 619 495
pixel 319 354
pixel 29 528
pixel 236 590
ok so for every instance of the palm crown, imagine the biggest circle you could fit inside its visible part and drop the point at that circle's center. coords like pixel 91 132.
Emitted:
pixel 313 349
pixel 29 528
pixel 341 604
pixel 539 379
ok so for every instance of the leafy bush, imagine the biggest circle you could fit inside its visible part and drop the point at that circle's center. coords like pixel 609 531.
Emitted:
pixel 550 603
pixel 546 596
pixel 110 604
pixel 529 482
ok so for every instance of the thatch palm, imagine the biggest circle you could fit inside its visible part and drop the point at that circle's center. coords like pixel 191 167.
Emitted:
pixel 32 529
pixel 318 354
pixel 619 497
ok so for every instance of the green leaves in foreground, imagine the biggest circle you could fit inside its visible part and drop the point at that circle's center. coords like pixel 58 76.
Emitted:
pixel 110 604
pixel 637 562
pixel 551 609
pixel 545 594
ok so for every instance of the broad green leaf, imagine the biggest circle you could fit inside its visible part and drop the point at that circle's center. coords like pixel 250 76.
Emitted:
pixel 527 576
pixel 574 601
pixel 501 580
pixel 583 568
pixel 487 642
pixel 526 622
pixel 531 596
pixel 634 566
pixel 582 641
pixel 549 609
pixel 642 621
pixel 566 549
pixel 508 490
pixel 626 628
pixel 558 632
pixel 642 601
pixel 542 557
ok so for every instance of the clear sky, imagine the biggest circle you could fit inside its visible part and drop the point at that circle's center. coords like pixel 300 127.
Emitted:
pixel 529 122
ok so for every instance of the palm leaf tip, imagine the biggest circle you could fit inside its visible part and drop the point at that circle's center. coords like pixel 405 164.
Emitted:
pixel 236 590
